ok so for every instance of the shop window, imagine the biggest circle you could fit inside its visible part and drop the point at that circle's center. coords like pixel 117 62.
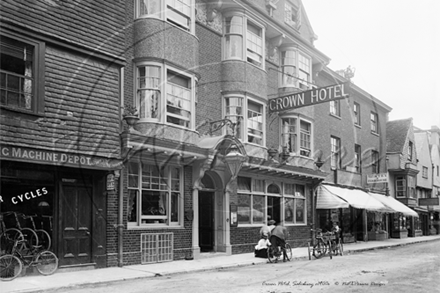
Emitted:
pixel 155 195
pixel 295 68
pixel 22 74
pixel 177 12
pixel 243 37
pixel 258 203
pixel 178 101
pixel 297 143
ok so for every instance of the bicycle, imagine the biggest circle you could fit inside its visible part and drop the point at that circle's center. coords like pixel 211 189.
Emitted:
pixel 336 246
pixel 11 265
pixel 322 245
pixel 27 233
pixel 44 239
pixel 275 252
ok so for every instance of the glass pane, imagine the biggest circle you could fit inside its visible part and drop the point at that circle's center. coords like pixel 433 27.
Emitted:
pixel 154 203
pixel 258 185
pixel 258 209
pixel 132 206
pixel 244 183
pixel 244 209
pixel 175 207
pixel 289 189
pixel 300 190
pixel 274 208
pixel 299 216
pixel 288 210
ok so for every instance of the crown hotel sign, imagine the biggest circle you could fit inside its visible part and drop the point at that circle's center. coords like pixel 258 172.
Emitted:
pixel 308 98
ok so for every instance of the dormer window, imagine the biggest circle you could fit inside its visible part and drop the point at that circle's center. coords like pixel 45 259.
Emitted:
pixel 292 15
pixel 410 151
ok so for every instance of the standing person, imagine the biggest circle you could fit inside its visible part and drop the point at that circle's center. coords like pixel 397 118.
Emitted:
pixel 267 229
pixel 278 238
pixel 336 230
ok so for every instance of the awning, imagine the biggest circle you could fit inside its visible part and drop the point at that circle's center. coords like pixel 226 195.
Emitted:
pixel 326 200
pixel 394 204
pixel 353 197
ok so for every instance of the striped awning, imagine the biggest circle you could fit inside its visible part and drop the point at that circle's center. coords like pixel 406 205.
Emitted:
pixel 394 204
pixel 332 197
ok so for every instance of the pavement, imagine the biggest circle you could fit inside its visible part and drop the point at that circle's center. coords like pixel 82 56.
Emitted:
pixel 62 280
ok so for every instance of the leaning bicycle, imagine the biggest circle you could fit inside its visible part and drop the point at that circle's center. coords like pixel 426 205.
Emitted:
pixel 274 253
pixel 322 244
pixel 11 265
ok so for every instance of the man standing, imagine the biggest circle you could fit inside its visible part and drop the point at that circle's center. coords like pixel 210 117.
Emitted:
pixel 266 230
pixel 278 237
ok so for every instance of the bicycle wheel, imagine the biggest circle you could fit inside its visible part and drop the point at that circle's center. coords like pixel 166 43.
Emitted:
pixel 288 251
pixel 8 238
pixel 330 249
pixel 272 256
pixel 319 249
pixel 44 239
pixel 47 263
pixel 10 267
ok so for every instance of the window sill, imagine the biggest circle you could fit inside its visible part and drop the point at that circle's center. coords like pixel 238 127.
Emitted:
pixel 375 133
pixel 153 227
pixel 358 126
pixel 335 116
pixel 15 110
pixel 249 225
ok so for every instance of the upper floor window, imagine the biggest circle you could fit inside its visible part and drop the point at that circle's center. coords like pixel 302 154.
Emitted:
pixel 357 158
pixel 335 108
pixel 22 74
pixel 295 68
pixel 357 113
pixel 296 135
pixel 177 12
pixel 374 121
pixel 335 154
pixel 375 162
pixel 400 186
pixel 425 172
pixel 410 150
pixel 243 38
pixel 165 95
pixel 247 114
pixel 155 195
pixel 292 15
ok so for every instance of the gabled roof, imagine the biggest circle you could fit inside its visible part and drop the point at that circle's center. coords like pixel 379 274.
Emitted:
pixel 397 134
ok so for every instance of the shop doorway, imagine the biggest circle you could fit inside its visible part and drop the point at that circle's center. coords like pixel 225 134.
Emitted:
pixel 76 223
pixel 206 221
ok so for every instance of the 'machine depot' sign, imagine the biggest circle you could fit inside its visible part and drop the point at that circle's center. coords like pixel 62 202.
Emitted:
pixel 310 97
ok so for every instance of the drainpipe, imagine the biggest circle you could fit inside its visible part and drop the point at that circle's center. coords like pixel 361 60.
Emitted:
pixel 120 225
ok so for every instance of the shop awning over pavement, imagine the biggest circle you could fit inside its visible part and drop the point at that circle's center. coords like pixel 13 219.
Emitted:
pixel 326 200
pixel 353 197
pixel 394 204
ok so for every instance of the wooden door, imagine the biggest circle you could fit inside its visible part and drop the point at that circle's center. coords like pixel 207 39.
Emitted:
pixel 206 221
pixel 76 223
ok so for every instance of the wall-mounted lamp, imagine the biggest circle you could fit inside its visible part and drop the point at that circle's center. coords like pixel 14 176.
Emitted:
pixel 234 159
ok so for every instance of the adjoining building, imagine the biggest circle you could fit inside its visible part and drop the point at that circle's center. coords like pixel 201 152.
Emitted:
pixel 60 103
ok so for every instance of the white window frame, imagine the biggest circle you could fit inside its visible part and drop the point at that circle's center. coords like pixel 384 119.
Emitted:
pixel 289 10
pixel 298 61
pixel 163 92
pixel 335 108
pixel 401 188
pixel 297 135
pixel 335 153
pixel 263 122
pixel 172 11
pixel 357 114
pixel 283 196
pixel 32 81
pixel 141 219
pixel 237 117
pixel 374 121
pixel 249 49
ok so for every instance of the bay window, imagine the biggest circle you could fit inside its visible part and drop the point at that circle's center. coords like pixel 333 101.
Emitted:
pixel 243 39
pixel 22 74
pixel 255 122
pixel 155 194
pixel 259 201
pixel 297 142
pixel 165 95
pixel 234 112
pixel 177 12
pixel 400 186
pixel 295 68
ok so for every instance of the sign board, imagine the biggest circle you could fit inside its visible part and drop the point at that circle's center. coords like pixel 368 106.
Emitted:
pixel 377 178
pixel 234 215
pixel 308 98
pixel 429 201
pixel 110 182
